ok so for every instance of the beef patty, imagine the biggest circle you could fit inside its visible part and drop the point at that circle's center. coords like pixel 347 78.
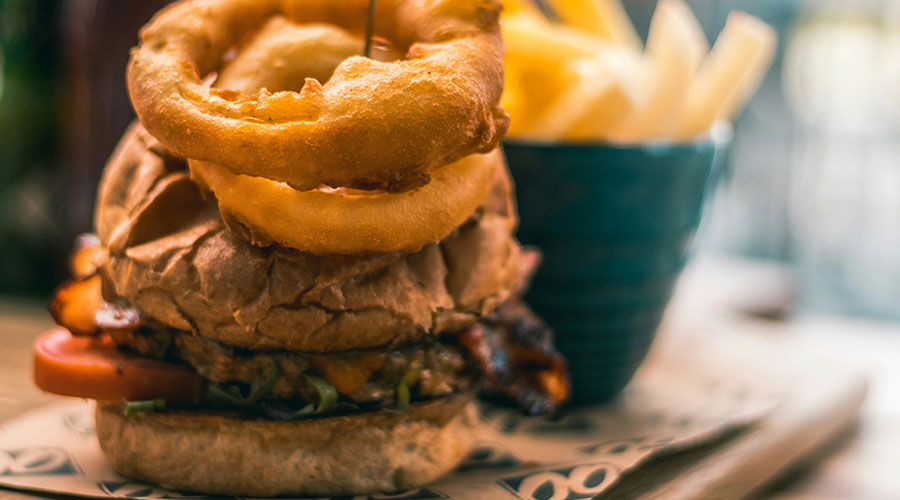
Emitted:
pixel 360 376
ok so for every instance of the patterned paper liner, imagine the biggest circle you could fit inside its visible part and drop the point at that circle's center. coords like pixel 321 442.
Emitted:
pixel 669 408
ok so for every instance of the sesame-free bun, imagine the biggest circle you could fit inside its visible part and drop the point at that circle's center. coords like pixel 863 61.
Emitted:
pixel 344 455
pixel 172 256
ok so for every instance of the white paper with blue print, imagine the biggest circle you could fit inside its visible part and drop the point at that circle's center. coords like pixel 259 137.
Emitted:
pixel 667 408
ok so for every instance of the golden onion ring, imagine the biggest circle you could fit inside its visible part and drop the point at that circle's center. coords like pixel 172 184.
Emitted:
pixel 325 221
pixel 284 54
pixel 373 124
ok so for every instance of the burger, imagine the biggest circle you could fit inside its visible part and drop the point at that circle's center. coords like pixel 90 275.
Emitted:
pixel 244 333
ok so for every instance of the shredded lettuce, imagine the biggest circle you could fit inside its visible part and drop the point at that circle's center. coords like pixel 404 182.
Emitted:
pixel 230 396
pixel 132 407
pixel 328 395
pixel 266 387
pixel 403 395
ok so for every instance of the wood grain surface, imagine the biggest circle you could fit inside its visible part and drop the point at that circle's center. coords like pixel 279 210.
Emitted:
pixel 20 323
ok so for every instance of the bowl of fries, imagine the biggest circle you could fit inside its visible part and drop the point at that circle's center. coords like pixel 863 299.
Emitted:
pixel 613 144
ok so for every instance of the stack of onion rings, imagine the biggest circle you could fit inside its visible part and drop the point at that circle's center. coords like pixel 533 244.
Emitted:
pixel 372 125
pixel 328 220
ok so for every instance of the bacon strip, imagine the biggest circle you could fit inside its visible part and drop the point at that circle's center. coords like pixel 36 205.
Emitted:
pixel 514 349
pixel 78 304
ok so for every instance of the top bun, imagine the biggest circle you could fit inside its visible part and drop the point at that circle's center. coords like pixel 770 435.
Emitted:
pixel 173 257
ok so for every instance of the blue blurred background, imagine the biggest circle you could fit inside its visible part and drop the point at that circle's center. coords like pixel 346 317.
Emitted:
pixel 813 179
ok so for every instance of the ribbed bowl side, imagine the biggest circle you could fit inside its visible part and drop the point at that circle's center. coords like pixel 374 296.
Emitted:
pixel 614 224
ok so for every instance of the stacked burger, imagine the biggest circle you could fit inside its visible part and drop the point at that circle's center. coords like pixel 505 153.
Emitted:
pixel 304 264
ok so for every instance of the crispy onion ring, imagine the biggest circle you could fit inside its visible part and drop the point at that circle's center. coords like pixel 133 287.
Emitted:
pixel 373 124
pixel 277 58
pixel 283 54
pixel 349 221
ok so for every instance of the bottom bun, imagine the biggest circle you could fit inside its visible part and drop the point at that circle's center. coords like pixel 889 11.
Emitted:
pixel 345 455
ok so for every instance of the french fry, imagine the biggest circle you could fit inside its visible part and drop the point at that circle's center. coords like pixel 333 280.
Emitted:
pixel 528 37
pixel 754 71
pixel 536 67
pixel 730 74
pixel 676 46
pixel 525 8
pixel 589 80
pixel 542 62
pixel 604 18
pixel 531 84
pixel 603 114
pixel 570 109
pixel 593 104
pixel 553 43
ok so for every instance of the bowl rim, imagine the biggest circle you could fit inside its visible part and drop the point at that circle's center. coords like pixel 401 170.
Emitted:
pixel 716 137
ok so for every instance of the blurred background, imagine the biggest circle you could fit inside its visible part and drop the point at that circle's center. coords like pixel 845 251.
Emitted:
pixel 813 181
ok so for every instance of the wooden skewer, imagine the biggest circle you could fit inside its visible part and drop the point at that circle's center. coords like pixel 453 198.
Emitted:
pixel 370 28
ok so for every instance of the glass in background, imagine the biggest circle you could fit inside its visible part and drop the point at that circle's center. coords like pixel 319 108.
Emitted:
pixel 842 79
pixel 750 212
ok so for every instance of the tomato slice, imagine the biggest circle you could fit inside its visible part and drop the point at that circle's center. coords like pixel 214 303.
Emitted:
pixel 92 367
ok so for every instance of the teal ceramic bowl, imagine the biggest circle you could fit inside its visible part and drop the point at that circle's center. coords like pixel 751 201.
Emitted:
pixel 614 224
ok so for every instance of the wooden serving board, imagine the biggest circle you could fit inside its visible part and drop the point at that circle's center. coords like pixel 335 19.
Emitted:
pixel 819 398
